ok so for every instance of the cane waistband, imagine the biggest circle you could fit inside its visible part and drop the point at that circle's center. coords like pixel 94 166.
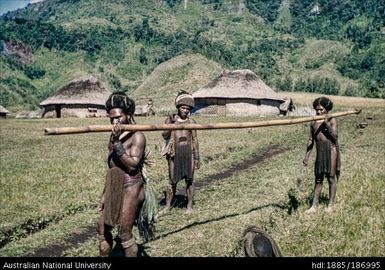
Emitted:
pixel 132 179
pixel 182 139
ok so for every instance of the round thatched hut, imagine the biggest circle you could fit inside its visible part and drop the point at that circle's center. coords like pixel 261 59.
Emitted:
pixel 237 92
pixel 3 112
pixel 83 97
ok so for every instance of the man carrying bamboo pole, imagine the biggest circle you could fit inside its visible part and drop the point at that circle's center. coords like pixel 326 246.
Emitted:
pixel 126 195
pixel 181 151
pixel 327 163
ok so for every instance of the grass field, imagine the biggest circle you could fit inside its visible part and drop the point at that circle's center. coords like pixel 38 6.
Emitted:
pixel 50 187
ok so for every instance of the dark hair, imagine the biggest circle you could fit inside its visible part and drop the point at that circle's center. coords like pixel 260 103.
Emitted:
pixel 258 243
pixel 122 101
pixel 324 102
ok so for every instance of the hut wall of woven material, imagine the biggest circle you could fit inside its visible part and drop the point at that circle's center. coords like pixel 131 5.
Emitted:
pixel 75 110
pixel 234 107
pixel 237 93
pixel 82 97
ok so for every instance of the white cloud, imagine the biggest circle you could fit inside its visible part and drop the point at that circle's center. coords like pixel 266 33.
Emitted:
pixel 35 1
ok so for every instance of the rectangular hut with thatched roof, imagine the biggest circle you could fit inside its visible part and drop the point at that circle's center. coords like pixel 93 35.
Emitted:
pixel 83 97
pixel 3 112
pixel 237 93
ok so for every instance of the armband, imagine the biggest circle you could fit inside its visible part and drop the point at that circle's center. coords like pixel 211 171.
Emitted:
pixel 119 149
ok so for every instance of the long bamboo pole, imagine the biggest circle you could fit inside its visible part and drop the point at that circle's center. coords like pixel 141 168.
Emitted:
pixel 156 127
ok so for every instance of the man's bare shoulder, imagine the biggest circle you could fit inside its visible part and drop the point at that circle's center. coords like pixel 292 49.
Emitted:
pixel 138 135
pixel 192 120
pixel 171 118
pixel 333 120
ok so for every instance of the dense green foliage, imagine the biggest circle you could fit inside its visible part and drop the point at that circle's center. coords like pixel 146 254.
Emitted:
pixel 123 41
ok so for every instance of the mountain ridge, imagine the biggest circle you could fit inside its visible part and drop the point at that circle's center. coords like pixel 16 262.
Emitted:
pixel 122 42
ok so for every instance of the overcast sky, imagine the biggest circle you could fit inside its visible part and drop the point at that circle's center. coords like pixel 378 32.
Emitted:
pixel 9 5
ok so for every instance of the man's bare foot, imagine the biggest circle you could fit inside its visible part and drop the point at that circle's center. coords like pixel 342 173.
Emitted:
pixel 163 212
pixel 104 248
pixel 311 210
pixel 189 211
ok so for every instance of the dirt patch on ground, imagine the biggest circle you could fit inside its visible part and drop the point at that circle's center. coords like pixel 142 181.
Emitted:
pixel 57 250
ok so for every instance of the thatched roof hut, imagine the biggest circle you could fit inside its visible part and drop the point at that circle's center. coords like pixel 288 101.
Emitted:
pixel 3 112
pixel 83 97
pixel 237 92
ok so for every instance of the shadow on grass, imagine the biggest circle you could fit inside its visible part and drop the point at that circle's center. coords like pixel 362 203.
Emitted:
pixel 179 201
pixel 295 200
pixel 196 223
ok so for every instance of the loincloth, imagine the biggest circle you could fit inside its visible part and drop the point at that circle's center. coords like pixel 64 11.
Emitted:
pixel 113 196
pixel 116 181
pixel 323 162
pixel 183 167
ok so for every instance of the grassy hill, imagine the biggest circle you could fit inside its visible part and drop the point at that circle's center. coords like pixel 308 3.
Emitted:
pixel 188 72
pixel 338 48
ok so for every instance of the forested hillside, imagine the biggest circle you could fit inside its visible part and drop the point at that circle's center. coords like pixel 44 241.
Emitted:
pixel 323 46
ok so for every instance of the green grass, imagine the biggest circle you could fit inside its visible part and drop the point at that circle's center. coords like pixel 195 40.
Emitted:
pixel 57 181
